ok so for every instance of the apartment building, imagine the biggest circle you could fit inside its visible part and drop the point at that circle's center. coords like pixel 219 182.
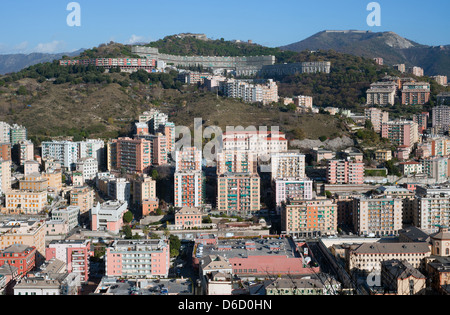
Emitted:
pixel 25 201
pixel 416 93
pixel 82 197
pixel 288 165
pixel 383 155
pixel 17 133
pixel 436 168
pixel 265 93
pixel 5 176
pixel 188 159
pixel 188 189
pixel 345 172
pixel 381 94
pixel 74 253
pixel 411 168
pixel 421 120
pixel 441 79
pixel 130 155
pixel 70 214
pixel 108 216
pixel 303 101
pixel 380 216
pixel 287 189
pixel 25 150
pixel 138 259
pixel 441 117
pixel 23 257
pixel 430 208
pixel 92 148
pixel 230 161
pixel 125 64
pixel 309 218
pixel 377 117
pixel 263 143
pixel 30 232
pixel 88 167
pixel 54 179
pixel 417 71
pixel 401 132
pixel 64 152
pixel 33 182
pixel 120 189
pixel 188 184
pixel 238 193
pixel 144 188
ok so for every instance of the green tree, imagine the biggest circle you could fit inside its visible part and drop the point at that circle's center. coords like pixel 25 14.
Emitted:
pixel 128 217
pixel 175 245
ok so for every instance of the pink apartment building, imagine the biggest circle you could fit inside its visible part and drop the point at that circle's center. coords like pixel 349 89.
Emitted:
pixel 74 253
pixel 345 172
pixel 138 259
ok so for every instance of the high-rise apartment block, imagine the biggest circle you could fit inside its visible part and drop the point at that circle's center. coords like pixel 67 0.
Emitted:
pixel 74 253
pixel 238 193
pixel 401 132
pixel 377 117
pixel 309 218
pixel 381 93
pixel 288 165
pixel 130 155
pixel 230 161
pixel 345 172
pixel 416 93
pixel 188 184
pixel 381 217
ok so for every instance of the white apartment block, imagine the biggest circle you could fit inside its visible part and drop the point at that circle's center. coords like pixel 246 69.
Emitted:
pixel 263 143
pixel 108 216
pixel 292 189
pixel 93 148
pixel 377 117
pixel 88 167
pixel 65 152
pixel 120 189
pixel 250 93
pixel 26 151
pixel 5 176
pixel 381 217
pixel 70 215
pixel 381 93
pixel 288 165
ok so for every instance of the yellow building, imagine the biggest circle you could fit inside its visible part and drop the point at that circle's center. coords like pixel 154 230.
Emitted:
pixel 30 233
pixel 54 179
pixel 25 201
pixel 82 197
pixel 34 182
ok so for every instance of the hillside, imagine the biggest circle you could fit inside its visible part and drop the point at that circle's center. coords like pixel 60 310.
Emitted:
pixel 388 45
pixel 108 110
pixel 85 101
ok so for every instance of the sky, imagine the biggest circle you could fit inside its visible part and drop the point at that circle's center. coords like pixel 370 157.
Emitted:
pixel 41 25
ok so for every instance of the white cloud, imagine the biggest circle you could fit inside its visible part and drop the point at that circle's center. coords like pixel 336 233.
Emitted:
pixel 49 48
pixel 136 39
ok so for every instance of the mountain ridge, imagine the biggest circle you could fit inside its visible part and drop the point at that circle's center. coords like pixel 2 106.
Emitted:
pixel 390 46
